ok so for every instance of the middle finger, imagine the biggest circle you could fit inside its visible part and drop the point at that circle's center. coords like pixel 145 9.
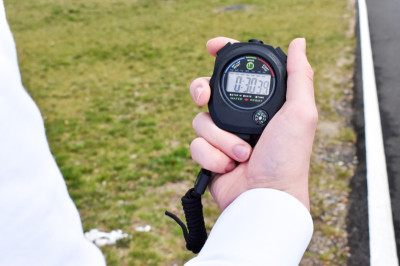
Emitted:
pixel 233 146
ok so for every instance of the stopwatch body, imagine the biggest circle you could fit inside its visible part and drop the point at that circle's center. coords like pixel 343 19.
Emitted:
pixel 248 87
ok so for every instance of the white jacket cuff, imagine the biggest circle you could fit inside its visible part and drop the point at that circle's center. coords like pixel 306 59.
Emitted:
pixel 261 227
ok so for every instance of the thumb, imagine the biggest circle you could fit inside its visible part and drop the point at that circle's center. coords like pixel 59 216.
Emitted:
pixel 300 74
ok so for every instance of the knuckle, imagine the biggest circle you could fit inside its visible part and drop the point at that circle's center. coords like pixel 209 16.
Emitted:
pixel 309 72
pixel 313 117
pixel 213 165
pixel 315 114
pixel 194 146
pixel 197 119
pixel 211 160
pixel 202 125
pixel 218 163
pixel 308 115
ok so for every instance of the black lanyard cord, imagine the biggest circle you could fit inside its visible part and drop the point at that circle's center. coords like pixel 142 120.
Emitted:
pixel 195 234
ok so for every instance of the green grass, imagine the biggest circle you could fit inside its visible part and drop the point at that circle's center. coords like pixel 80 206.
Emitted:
pixel 111 80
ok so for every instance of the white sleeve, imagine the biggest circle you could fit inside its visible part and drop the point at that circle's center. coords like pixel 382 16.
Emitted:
pixel 39 224
pixel 261 227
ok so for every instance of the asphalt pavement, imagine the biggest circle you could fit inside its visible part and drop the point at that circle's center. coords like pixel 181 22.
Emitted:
pixel 384 24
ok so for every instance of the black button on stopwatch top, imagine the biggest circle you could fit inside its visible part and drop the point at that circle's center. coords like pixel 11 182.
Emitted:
pixel 256 41
pixel 248 86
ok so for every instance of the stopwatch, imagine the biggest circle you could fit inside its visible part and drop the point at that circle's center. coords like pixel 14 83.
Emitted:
pixel 248 87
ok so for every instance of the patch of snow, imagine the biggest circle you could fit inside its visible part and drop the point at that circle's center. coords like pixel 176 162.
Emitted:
pixel 146 228
pixel 100 238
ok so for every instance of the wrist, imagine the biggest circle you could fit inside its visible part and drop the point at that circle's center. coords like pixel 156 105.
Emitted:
pixel 295 186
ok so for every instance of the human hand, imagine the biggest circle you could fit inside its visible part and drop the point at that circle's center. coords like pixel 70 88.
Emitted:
pixel 281 158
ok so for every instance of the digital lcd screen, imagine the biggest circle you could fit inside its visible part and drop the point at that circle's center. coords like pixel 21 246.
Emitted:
pixel 251 83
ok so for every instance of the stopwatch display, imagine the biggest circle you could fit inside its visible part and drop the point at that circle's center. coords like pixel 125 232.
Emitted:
pixel 248 82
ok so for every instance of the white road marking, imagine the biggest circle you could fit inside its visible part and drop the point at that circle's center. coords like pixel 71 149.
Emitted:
pixel 381 230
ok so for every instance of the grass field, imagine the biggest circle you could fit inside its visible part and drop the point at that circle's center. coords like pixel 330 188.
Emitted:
pixel 111 80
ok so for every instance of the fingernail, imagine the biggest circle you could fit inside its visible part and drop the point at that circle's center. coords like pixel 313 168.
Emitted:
pixel 230 166
pixel 197 92
pixel 241 151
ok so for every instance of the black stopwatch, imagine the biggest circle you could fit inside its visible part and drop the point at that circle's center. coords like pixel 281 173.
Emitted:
pixel 248 87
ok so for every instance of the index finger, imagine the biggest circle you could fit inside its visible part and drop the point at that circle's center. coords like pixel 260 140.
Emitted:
pixel 199 88
pixel 214 45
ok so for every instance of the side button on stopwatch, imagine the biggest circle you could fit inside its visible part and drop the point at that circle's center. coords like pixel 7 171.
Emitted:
pixel 260 117
pixel 281 53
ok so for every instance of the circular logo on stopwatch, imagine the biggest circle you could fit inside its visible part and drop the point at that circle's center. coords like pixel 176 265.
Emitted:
pixel 250 65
